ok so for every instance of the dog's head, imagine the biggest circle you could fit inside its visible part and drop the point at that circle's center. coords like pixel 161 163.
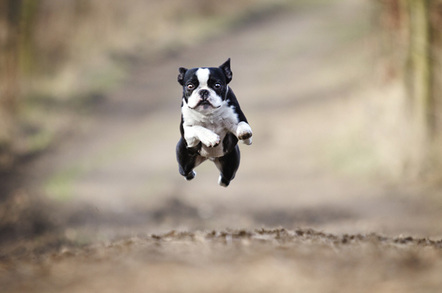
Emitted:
pixel 205 88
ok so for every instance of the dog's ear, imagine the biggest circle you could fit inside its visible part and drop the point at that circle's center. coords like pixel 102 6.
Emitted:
pixel 225 67
pixel 182 71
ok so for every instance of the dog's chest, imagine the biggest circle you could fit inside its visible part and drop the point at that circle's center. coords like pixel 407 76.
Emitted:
pixel 217 121
pixel 220 121
pixel 216 124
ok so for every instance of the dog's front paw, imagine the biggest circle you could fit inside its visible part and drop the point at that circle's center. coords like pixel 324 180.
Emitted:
pixel 247 141
pixel 192 142
pixel 210 139
pixel 244 133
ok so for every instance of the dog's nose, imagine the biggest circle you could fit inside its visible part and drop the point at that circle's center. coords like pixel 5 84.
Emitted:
pixel 204 94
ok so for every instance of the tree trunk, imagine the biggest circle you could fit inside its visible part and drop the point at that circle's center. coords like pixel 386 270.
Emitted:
pixel 419 73
pixel 9 67
pixel 435 10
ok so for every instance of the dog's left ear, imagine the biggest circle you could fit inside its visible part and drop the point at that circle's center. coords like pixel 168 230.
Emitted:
pixel 182 71
pixel 225 67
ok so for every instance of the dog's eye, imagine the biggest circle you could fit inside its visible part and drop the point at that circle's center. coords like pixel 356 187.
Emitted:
pixel 217 85
pixel 190 86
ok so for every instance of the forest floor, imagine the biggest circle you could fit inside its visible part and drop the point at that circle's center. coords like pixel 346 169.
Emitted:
pixel 306 213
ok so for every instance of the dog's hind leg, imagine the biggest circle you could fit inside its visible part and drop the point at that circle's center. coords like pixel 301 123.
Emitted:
pixel 228 165
pixel 188 159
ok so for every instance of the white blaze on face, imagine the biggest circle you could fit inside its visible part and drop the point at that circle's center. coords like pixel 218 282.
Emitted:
pixel 203 75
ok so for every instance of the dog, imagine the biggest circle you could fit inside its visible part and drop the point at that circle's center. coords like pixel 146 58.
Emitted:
pixel 211 122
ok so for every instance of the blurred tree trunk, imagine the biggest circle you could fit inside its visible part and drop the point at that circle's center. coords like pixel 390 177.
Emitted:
pixel 10 11
pixel 26 44
pixel 435 11
pixel 414 28
pixel 419 73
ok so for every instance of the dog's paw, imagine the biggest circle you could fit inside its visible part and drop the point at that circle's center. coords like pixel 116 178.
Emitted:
pixel 244 133
pixel 191 141
pixel 190 176
pixel 210 139
pixel 247 141
pixel 223 181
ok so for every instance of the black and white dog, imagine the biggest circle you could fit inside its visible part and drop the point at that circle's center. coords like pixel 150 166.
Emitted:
pixel 211 122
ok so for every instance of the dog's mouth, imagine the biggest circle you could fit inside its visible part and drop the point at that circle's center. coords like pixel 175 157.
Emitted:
pixel 205 104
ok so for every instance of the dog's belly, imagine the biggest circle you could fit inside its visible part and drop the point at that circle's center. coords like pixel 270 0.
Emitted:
pixel 213 152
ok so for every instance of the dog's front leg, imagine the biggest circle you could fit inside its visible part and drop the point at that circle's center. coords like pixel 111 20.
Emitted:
pixel 242 131
pixel 195 134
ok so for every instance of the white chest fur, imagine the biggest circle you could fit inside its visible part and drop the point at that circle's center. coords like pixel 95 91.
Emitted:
pixel 209 127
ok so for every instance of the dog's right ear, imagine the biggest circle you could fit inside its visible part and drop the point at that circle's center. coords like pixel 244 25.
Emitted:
pixel 182 71
pixel 225 67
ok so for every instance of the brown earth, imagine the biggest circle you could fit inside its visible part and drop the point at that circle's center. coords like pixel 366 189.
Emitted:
pixel 262 260
pixel 125 221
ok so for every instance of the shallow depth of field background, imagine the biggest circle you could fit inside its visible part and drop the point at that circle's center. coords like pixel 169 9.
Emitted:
pixel 343 98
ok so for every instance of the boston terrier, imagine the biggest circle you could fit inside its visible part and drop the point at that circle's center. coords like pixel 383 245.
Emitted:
pixel 211 122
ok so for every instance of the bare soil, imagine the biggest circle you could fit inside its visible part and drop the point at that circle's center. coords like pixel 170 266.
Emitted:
pixel 261 260
pixel 121 218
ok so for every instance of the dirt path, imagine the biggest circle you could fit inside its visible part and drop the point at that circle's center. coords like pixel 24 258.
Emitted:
pixel 262 260
pixel 300 83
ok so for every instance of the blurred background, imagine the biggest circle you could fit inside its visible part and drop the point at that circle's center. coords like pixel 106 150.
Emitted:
pixel 344 98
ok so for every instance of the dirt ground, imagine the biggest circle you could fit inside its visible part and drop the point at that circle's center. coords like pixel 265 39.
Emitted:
pixel 306 213
pixel 276 260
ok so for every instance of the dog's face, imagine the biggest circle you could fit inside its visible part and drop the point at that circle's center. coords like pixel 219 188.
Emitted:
pixel 204 89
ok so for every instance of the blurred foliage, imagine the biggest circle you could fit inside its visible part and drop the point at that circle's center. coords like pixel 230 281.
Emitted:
pixel 63 38
pixel 69 52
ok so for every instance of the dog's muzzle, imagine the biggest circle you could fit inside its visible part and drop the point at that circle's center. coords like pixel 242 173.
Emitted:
pixel 204 94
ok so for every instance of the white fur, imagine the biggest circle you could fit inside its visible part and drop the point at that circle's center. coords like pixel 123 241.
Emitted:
pixel 209 128
pixel 203 75
pixel 198 133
